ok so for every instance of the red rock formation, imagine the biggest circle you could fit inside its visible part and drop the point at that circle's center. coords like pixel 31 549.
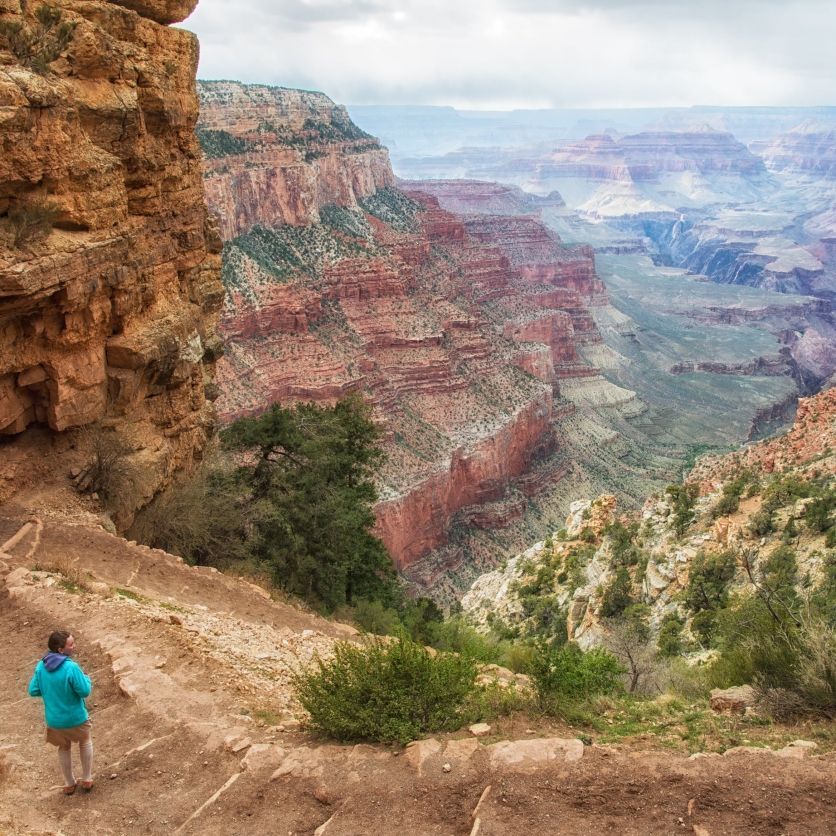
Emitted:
pixel 808 149
pixel 539 256
pixel 645 155
pixel 112 315
pixel 418 521
pixel 431 322
pixel 475 197
pixel 274 182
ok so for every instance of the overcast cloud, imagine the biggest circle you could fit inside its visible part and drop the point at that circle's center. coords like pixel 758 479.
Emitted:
pixel 502 54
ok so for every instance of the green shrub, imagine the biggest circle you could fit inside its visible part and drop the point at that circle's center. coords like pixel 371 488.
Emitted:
pixel 375 617
pixel 31 223
pixel 730 500
pixel 781 492
pixel 455 635
pixel 567 673
pixel 708 581
pixel 37 47
pixel 519 657
pixel 394 208
pixel 421 617
pixel 728 504
pixel 684 498
pixel 389 693
pixel 790 531
pixel 818 512
pixel 761 523
pixel 783 645
pixel 217 144
pixel 623 552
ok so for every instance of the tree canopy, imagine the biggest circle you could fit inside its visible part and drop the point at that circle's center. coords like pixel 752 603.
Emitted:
pixel 309 469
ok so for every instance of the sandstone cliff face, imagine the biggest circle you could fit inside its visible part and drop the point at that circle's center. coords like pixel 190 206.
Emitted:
pixel 458 338
pixel 111 316
pixel 809 149
pixel 275 156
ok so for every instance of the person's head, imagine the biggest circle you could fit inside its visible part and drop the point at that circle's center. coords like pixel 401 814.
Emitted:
pixel 61 642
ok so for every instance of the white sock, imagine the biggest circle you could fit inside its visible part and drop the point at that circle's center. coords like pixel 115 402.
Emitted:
pixel 86 750
pixel 65 758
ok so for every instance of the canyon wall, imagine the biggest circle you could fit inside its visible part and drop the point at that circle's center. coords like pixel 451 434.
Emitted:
pixel 292 152
pixel 109 269
pixel 458 334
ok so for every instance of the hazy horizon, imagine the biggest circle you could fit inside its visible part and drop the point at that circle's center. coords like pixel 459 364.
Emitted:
pixel 499 55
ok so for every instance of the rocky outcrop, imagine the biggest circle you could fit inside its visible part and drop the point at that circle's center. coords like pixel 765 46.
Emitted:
pixel 276 156
pixel 809 149
pixel 540 256
pixel 759 366
pixel 477 197
pixel 418 521
pixel 812 437
pixel 108 310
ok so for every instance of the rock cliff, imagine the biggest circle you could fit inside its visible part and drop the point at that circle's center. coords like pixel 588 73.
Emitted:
pixel 458 333
pixel 275 156
pixel 109 273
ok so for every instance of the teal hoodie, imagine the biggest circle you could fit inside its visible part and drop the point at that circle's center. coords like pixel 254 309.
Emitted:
pixel 63 690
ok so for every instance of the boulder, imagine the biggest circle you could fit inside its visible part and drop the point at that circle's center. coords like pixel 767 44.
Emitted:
pixel 733 700
pixel 262 756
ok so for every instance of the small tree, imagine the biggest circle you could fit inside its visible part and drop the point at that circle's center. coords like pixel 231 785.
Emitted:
pixel 312 468
pixel 628 642
pixel 618 595
pixel 36 47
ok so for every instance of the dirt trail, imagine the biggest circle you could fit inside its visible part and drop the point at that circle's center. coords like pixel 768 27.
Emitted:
pixel 176 661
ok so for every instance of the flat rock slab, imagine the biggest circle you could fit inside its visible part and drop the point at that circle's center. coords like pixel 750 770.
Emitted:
pixel 522 755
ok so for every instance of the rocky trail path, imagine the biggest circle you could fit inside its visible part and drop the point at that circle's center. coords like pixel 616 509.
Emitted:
pixel 195 733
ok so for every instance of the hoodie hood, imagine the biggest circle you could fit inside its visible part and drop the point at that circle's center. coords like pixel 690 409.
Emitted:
pixel 53 661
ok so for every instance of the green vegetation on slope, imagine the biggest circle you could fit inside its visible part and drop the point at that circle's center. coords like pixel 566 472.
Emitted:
pixel 218 144
pixel 394 208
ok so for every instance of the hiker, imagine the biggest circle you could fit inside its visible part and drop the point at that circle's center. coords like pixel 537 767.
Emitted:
pixel 63 686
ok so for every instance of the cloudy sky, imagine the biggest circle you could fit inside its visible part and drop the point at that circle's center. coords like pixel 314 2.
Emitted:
pixel 502 54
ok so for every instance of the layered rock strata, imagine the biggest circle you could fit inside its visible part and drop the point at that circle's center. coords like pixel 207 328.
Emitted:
pixel 292 152
pixel 110 296
pixel 460 350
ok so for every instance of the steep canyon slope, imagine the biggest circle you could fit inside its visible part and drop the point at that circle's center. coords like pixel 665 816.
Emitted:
pixel 109 269
pixel 694 197
pixel 463 331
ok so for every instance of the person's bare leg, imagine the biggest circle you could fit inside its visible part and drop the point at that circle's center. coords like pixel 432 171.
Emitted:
pixel 65 758
pixel 86 750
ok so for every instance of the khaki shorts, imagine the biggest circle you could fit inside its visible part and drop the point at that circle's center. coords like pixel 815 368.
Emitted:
pixel 64 737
